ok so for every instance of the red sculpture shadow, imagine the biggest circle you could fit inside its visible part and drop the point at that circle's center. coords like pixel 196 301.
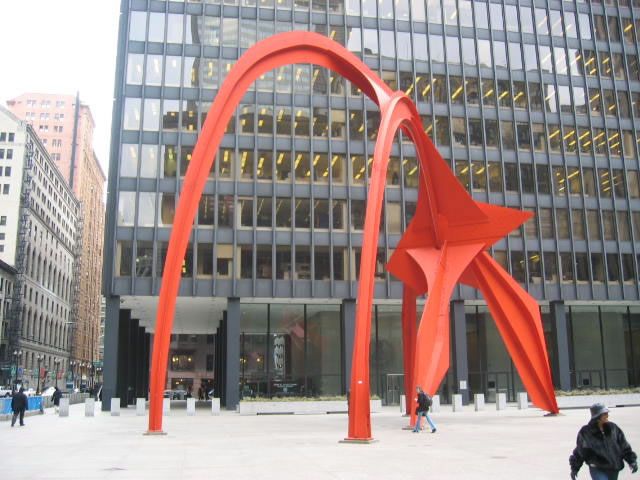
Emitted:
pixel 443 245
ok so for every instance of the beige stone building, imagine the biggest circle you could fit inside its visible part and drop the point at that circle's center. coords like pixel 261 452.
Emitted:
pixel 66 128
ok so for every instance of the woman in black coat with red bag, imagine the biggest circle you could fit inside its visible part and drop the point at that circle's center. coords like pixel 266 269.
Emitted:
pixel 57 395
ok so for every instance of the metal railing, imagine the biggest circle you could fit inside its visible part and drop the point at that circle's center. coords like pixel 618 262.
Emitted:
pixel 605 378
pixel 492 383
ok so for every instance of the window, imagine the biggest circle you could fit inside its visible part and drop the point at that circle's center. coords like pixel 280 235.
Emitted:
pixel 526 20
pixel 245 212
pixel 491 133
pixel 585 26
pixel 3 220
pixel 182 362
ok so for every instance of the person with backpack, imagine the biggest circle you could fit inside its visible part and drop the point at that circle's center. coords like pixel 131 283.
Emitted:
pixel 424 402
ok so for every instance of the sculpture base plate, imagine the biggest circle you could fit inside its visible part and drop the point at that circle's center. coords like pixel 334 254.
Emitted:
pixel 362 441
pixel 154 432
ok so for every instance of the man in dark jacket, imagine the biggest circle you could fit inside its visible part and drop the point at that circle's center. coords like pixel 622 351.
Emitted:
pixel 601 445
pixel 424 402
pixel 18 405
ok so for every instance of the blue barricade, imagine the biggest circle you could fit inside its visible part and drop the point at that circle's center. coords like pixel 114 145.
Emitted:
pixel 34 403
pixel 5 406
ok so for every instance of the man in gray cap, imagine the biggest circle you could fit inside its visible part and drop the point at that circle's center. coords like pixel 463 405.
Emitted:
pixel 602 446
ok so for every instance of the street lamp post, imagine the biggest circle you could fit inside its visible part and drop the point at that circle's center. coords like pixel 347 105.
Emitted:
pixel 57 362
pixel 39 358
pixel 16 356
pixel 72 364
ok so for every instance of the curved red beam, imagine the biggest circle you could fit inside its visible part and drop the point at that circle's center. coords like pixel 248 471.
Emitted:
pixel 282 49
pixel 447 219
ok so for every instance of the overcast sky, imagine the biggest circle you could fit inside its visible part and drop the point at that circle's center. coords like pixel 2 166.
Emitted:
pixel 62 46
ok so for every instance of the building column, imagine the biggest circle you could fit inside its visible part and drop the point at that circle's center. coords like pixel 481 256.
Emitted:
pixel 110 366
pixel 461 366
pixel 560 366
pixel 219 359
pixel 123 356
pixel 232 379
pixel 140 350
pixel 132 360
pixel 146 361
pixel 348 324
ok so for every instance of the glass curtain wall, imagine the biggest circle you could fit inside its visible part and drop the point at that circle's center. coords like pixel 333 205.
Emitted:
pixel 491 370
pixel 604 351
pixel 290 350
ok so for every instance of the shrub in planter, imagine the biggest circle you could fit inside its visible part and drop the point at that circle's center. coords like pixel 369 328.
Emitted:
pixel 335 398
pixel 615 391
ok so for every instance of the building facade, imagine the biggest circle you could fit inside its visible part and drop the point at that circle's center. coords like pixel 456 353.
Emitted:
pixel 66 128
pixel 38 222
pixel 7 280
pixel 533 105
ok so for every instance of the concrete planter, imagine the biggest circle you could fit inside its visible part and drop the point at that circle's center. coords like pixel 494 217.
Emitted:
pixel 300 408
pixel 585 401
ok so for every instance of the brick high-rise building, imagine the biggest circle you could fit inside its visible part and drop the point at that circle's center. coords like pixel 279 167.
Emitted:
pixel 66 129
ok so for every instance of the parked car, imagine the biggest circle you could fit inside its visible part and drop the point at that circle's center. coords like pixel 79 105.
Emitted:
pixel 175 394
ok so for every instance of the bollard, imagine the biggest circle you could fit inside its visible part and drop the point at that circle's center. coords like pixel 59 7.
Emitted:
pixel 478 401
pixel 191 407
pixel 501 401
pixel 403 404
pixel 141 405
pixel 166 406
pixel 89 407
pixel 457 402
pixel 63 410
pixel 115 407
pixel 215 406
pixel 523 401
pixel 435 403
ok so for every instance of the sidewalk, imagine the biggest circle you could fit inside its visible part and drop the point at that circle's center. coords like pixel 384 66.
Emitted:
pixel 491 444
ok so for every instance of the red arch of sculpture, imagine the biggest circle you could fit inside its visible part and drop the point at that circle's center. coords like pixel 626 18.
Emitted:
pixel 443 245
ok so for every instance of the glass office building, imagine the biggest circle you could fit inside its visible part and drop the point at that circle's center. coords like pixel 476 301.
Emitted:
pixel 534 105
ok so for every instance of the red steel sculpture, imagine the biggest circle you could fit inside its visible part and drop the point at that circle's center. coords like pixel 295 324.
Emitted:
pixel 444 244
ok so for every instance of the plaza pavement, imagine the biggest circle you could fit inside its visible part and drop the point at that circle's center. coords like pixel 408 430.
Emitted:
pixel 491 444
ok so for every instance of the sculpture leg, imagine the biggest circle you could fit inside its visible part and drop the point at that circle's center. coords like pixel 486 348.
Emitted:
pixel 517 316
pixel 409 330
pixel 442 268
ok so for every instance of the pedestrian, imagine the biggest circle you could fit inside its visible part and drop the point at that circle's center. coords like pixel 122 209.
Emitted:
pixel 200 393
pixel 424 402
pixel 601 445
pixel 57 395
pixel 18 405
